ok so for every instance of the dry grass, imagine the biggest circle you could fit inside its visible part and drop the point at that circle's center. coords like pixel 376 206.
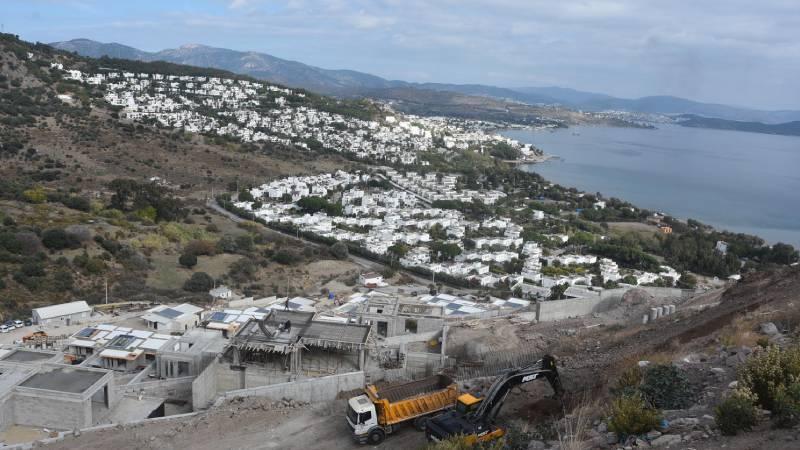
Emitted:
pixel 576 424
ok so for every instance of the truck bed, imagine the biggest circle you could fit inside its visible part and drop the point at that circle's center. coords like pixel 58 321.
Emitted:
pixel 408 390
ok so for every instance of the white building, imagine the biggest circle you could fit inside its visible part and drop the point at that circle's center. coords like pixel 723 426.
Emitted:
pixel 223 292
pixel 609 270
pixel 173 319
pixel 371 279
pixel 65 313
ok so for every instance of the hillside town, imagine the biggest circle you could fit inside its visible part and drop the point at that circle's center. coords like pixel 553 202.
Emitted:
pixel 259 112
pixel 399 222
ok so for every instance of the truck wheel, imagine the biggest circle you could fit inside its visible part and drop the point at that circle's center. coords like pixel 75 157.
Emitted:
pixel 420 423
pixel 376 436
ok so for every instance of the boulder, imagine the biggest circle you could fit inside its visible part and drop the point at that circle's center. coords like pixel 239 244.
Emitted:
pixel 652 435
pixel 536 445
pixel 666 440
pixel 769 329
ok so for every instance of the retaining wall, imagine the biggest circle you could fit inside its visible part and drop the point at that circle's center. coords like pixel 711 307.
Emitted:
pixel 310 390
pixel 608 298
pixel 573 307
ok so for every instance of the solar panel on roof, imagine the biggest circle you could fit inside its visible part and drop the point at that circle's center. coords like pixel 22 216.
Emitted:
pixel 453 306
pixel 217 317
pixel 169 313
pixel 86 332
pixel 122 341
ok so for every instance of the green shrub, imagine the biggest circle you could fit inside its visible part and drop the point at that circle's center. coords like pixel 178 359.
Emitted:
pixel 736 413
pixel 628 382
pixel 787 406
pixel 766 372
pixel 188 260
pixel 199 282
pixel 58 239
pixel 666 387
pixel 630 414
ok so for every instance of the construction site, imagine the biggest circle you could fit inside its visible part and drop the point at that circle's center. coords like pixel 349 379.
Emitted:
pixel 279 377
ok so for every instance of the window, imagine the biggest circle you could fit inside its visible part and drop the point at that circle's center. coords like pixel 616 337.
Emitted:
pixel 411 326
pixel 364 417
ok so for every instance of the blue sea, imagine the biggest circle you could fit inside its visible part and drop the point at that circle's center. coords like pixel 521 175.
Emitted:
pixel 743 182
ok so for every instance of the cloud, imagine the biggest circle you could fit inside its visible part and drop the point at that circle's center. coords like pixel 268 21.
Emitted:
pixel 623 47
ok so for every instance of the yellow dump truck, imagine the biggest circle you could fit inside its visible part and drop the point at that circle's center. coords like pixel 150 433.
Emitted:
pixel 379 411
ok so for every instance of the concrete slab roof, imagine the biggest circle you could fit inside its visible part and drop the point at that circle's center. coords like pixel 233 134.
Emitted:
pixel 64 379
pixel 336 332
pixel 28 356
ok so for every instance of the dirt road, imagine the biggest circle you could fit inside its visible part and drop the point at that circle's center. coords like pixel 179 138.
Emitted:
pixel 246 426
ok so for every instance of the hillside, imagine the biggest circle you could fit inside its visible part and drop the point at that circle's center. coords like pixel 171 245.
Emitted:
pixel 786 129
pixel 62 161
pixel 354 83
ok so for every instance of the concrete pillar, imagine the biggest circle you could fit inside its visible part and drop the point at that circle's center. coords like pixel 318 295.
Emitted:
pixel 672 309
pixel 361 359
pixel 444 345
pixel 665 310
pixel 659 312
pixel 653 314
pixel 644 319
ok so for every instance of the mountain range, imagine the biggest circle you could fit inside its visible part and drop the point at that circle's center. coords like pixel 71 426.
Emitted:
pixel 350 83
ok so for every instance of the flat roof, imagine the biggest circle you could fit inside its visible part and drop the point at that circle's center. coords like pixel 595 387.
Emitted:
pixel 64 309
pixel 64 379
pixel 340 332
pixel 28 356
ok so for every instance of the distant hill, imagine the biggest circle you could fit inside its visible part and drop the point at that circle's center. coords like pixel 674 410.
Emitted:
pixel 787 129
pixel 346 83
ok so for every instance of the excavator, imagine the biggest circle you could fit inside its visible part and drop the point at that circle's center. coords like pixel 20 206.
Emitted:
pixel 473 417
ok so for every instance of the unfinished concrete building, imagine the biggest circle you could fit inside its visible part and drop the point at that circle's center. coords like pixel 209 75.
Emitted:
pixel 188 355
pixel 54 395
pixel 393 317
pixel 286 345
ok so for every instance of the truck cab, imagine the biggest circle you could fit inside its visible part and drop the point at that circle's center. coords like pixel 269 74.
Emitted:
pixel 363 418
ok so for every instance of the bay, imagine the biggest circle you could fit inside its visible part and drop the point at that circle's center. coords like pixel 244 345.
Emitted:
pixel 743 182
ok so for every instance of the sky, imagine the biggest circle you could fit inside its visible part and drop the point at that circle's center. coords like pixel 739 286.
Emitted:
pixel 738 52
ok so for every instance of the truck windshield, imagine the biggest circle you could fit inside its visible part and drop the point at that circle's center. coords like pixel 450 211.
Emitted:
pixel 364 417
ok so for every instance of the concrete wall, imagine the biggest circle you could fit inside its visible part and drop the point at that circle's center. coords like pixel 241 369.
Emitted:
pixel 174 388
pixel 576 307
pixel 204 387
pixel 63 411
pixel 310 390
pixel 229 379
pixel 408 338
pixel 6 411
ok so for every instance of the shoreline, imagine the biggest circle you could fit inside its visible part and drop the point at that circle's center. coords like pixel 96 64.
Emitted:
pixel 770 234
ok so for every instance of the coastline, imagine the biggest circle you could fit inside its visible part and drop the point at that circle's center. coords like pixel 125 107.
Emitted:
pixel 606 169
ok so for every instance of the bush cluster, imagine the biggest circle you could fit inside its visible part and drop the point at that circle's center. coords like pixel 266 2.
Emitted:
pixel 736 413
pixel 773 376
pixel 630 415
